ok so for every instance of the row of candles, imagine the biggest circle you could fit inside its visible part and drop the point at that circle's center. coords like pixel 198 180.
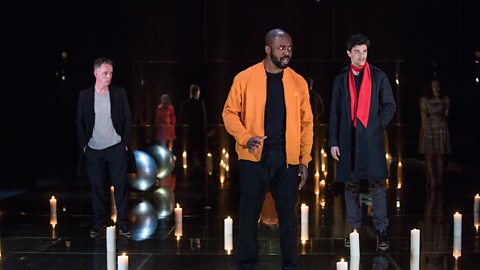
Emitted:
pixel 228 228
pixel 224 163
pixel 415 241
pixel 122 260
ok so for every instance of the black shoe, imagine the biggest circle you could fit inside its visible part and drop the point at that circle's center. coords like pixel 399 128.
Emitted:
pixel 97 232
pixel 125 233
pixel 347 242
pixel 382 240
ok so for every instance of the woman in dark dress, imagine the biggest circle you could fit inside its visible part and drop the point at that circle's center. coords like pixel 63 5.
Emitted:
pixel 434 139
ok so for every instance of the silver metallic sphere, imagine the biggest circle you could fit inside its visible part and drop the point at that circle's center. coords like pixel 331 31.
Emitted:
pixel 143 220
pixel 163 200
pixel 163 158
pixel 146 174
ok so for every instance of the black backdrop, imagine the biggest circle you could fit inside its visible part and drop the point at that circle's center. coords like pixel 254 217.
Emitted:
pixel 164 46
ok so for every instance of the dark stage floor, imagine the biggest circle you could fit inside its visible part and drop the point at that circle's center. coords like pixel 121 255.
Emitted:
pixel 29 242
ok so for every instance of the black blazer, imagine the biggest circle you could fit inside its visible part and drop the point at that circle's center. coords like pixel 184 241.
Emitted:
pixel 121 119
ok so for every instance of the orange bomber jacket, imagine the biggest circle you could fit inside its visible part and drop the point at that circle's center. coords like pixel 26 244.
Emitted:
pixel 244 110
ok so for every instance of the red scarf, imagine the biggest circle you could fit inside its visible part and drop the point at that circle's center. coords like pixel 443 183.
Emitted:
pixel 360 109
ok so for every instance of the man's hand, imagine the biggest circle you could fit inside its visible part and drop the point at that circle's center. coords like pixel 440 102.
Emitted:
pixel 335 151
pixel 302 175
pixel 254 143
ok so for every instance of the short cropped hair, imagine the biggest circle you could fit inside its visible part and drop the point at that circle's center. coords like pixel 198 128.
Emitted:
pixel 97 63
pixel 357 39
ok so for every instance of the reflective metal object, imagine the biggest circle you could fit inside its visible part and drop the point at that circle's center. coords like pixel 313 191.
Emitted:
pixel 146 174
pixel 163 158
pixel 163 200
pixel 143 220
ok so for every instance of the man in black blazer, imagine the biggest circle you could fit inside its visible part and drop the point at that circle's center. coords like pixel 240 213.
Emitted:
pixel 104 133
pixel 362 106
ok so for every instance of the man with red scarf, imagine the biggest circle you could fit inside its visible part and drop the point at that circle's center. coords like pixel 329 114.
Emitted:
pixel 362 106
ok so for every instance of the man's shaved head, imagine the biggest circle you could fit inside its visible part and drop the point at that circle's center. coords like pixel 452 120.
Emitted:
pixel 274 33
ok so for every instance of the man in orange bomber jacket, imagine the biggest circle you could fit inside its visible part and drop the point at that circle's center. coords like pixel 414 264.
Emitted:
pixel 268 113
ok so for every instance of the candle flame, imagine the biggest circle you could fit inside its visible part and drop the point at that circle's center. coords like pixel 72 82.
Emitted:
pixel 178 205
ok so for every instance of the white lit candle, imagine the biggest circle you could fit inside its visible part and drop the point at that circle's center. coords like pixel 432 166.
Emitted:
pixel 354 243
pixel 399 175
pixel 457 224
pixel 355 263
pixel 304 232
pixel 122 261
pixel 222 174
pixel 111 261
pixel 476 204
pixel 111 242
pixel 53 206
pixel 414 262
pixel 323 158
pixel 53 221
pixel 178 230
pixel 113 215
pixel 209 163
pixel 227 166
pixel 457 247
pixel 322 184
pixel 178 214
pixel 184 159
pixel 415 242
pixel 304 213
pixel 476 220
pixel 228 234
pixel 342 265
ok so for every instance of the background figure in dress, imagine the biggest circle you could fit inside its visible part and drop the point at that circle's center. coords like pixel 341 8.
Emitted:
pixel 165 123
pixel 434 139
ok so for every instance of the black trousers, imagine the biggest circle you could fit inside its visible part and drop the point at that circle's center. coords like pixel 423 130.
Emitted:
pixel 256 178
pixel 114 160
pixel 196 146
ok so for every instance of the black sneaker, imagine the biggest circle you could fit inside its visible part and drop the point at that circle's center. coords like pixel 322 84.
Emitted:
pixel 382 240
pixel 347 241
pixel 125 233
pixel 97 232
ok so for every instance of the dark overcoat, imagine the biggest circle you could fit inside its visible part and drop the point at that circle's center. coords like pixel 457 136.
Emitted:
pixel 367 160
